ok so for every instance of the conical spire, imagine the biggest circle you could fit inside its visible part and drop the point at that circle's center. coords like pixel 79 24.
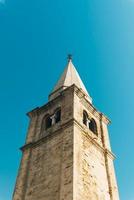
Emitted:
pixel 69 77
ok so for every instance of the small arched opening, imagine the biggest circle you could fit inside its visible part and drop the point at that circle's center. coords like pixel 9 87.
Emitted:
pixel 57 115
pixel 48 122
pixel 93 126
pixel 85 117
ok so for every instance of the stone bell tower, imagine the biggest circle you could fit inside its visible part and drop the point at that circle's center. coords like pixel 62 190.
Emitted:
pixel 67 154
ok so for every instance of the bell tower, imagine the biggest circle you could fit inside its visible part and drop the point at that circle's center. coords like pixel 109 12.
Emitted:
pixel 67 153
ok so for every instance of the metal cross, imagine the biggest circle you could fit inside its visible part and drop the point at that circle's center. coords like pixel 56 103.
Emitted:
pixel 69 57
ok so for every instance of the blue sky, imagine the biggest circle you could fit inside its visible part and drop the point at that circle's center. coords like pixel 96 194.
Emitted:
pixel 35 38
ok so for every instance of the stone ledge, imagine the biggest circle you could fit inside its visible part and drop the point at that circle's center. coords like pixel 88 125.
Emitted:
pixel 80 94
pixel 70 122
pixel 92 139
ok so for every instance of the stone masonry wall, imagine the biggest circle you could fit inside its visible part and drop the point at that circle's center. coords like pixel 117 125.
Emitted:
pixel 94 175
pixel 90 178
pixel 51 169
pixel 46 171
pixel 67 161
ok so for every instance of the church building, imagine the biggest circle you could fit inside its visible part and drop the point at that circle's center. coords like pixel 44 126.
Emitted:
pixel 67 153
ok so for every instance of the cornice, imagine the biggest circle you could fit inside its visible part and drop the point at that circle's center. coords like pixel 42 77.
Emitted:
pixel 80 94
pixel 49 134
pixel 63 127
pixel 39 110
pixel 90 106
pixel 93 141
pixel 83 98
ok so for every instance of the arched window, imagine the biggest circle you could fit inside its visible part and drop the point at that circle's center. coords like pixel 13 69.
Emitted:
pixel 57 115
pixel 93 126
pixel 48 122
pixel 85 117
pixel 90 123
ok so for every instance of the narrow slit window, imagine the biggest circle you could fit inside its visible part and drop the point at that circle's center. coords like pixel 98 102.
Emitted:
pixel 48 122
pixel 57 116
pixel 85 118
pixel 93 126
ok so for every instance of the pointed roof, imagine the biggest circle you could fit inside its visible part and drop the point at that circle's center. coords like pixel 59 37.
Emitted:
pixel 69 77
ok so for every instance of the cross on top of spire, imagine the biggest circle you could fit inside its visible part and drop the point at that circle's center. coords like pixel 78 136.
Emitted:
pixel 69 77
pixel 69 57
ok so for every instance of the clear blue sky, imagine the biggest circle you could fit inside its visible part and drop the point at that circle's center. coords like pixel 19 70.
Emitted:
pixel 35 38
